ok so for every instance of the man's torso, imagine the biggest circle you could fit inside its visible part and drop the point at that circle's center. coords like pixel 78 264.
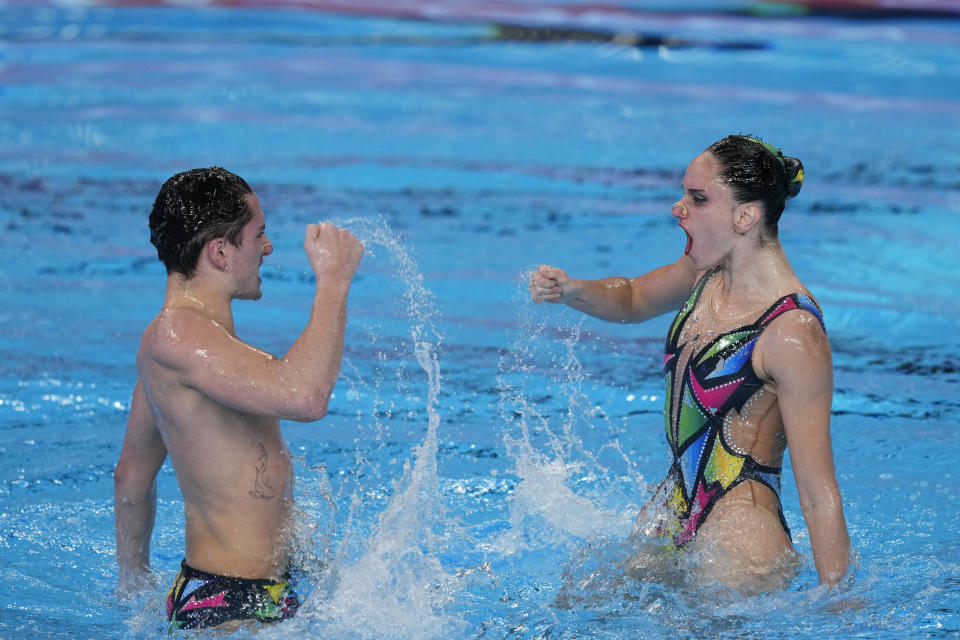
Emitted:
pixel 233 469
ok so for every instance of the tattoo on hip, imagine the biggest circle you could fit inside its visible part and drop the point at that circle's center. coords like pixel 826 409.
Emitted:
pixel 262 489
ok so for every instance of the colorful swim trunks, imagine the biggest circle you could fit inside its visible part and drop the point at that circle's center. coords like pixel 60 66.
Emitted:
pixel 198 599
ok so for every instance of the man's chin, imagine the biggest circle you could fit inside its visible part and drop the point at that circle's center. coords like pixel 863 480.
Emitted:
pixel 249 295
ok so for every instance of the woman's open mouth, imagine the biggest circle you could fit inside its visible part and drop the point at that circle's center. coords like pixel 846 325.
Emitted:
pixel 686 251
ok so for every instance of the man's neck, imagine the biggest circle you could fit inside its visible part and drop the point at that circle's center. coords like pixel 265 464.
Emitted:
pixel 197 293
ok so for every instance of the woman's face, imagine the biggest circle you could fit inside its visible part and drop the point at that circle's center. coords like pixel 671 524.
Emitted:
pixel 705 213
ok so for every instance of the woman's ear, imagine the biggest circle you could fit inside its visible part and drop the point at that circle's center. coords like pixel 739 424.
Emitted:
pixel 747 216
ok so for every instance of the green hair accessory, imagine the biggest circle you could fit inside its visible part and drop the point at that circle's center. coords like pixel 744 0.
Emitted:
pixel 776 153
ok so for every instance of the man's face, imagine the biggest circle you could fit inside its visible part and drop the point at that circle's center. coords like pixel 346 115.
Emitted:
pixel 248 257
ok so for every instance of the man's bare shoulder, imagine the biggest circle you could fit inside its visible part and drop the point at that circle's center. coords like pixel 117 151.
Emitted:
pixel 179 334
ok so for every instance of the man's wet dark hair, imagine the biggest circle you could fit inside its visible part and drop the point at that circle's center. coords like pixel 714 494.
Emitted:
pixel 757 171
pixel 193 208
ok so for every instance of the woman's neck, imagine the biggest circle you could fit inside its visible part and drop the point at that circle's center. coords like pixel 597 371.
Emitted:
pixel 754 277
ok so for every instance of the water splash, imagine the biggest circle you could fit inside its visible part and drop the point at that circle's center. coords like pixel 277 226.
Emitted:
pixel 398 587
pixel 548 458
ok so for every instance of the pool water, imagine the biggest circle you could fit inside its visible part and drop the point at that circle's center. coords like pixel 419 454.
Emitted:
pixel 483 459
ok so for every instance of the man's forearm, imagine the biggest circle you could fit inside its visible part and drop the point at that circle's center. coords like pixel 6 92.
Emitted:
pixel 311 366
pixel 134 516
pixel 328 322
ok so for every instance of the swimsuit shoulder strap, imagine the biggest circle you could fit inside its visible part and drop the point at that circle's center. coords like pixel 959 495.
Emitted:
pixel 690 303
pixel 790 302
pixel 702 282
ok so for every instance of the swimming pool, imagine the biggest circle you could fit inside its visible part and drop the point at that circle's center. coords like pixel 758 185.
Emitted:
pixel 489 493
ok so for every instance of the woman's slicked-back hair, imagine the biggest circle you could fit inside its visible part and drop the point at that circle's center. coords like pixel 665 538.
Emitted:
pixel 193 208
pixel 756 171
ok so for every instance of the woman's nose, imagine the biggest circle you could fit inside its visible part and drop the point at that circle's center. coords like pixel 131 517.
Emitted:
pixel 679 210
pixel 267 248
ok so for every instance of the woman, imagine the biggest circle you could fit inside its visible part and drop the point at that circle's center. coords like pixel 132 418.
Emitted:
pixel 747 364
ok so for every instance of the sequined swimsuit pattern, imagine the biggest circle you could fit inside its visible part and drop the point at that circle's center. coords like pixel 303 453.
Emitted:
pixel 717 379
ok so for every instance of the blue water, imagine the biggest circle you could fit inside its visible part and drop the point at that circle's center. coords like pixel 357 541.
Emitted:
pixel 483 459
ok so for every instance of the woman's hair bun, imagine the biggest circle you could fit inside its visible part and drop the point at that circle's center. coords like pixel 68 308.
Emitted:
pixel 794 170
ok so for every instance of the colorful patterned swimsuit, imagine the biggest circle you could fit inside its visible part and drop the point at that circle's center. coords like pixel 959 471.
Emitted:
pixel 199 599
pixel 717 380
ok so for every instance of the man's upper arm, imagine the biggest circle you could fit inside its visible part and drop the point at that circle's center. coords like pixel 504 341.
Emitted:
pixel 143 450
pixel 207 358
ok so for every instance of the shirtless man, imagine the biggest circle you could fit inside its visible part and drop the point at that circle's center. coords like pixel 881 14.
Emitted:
pixel 213 403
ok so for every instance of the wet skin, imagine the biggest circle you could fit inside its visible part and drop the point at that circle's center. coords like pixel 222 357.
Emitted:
pixel 792 357
pixel 213 403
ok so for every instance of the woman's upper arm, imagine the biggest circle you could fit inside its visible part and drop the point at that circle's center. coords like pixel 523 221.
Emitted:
pixel 796 357
pixel 662 290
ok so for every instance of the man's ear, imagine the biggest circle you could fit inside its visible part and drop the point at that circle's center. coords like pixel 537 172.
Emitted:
pixel 215 251
pixel 747 216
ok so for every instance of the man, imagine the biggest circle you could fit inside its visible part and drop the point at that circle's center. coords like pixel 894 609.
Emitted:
pixel 213 403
